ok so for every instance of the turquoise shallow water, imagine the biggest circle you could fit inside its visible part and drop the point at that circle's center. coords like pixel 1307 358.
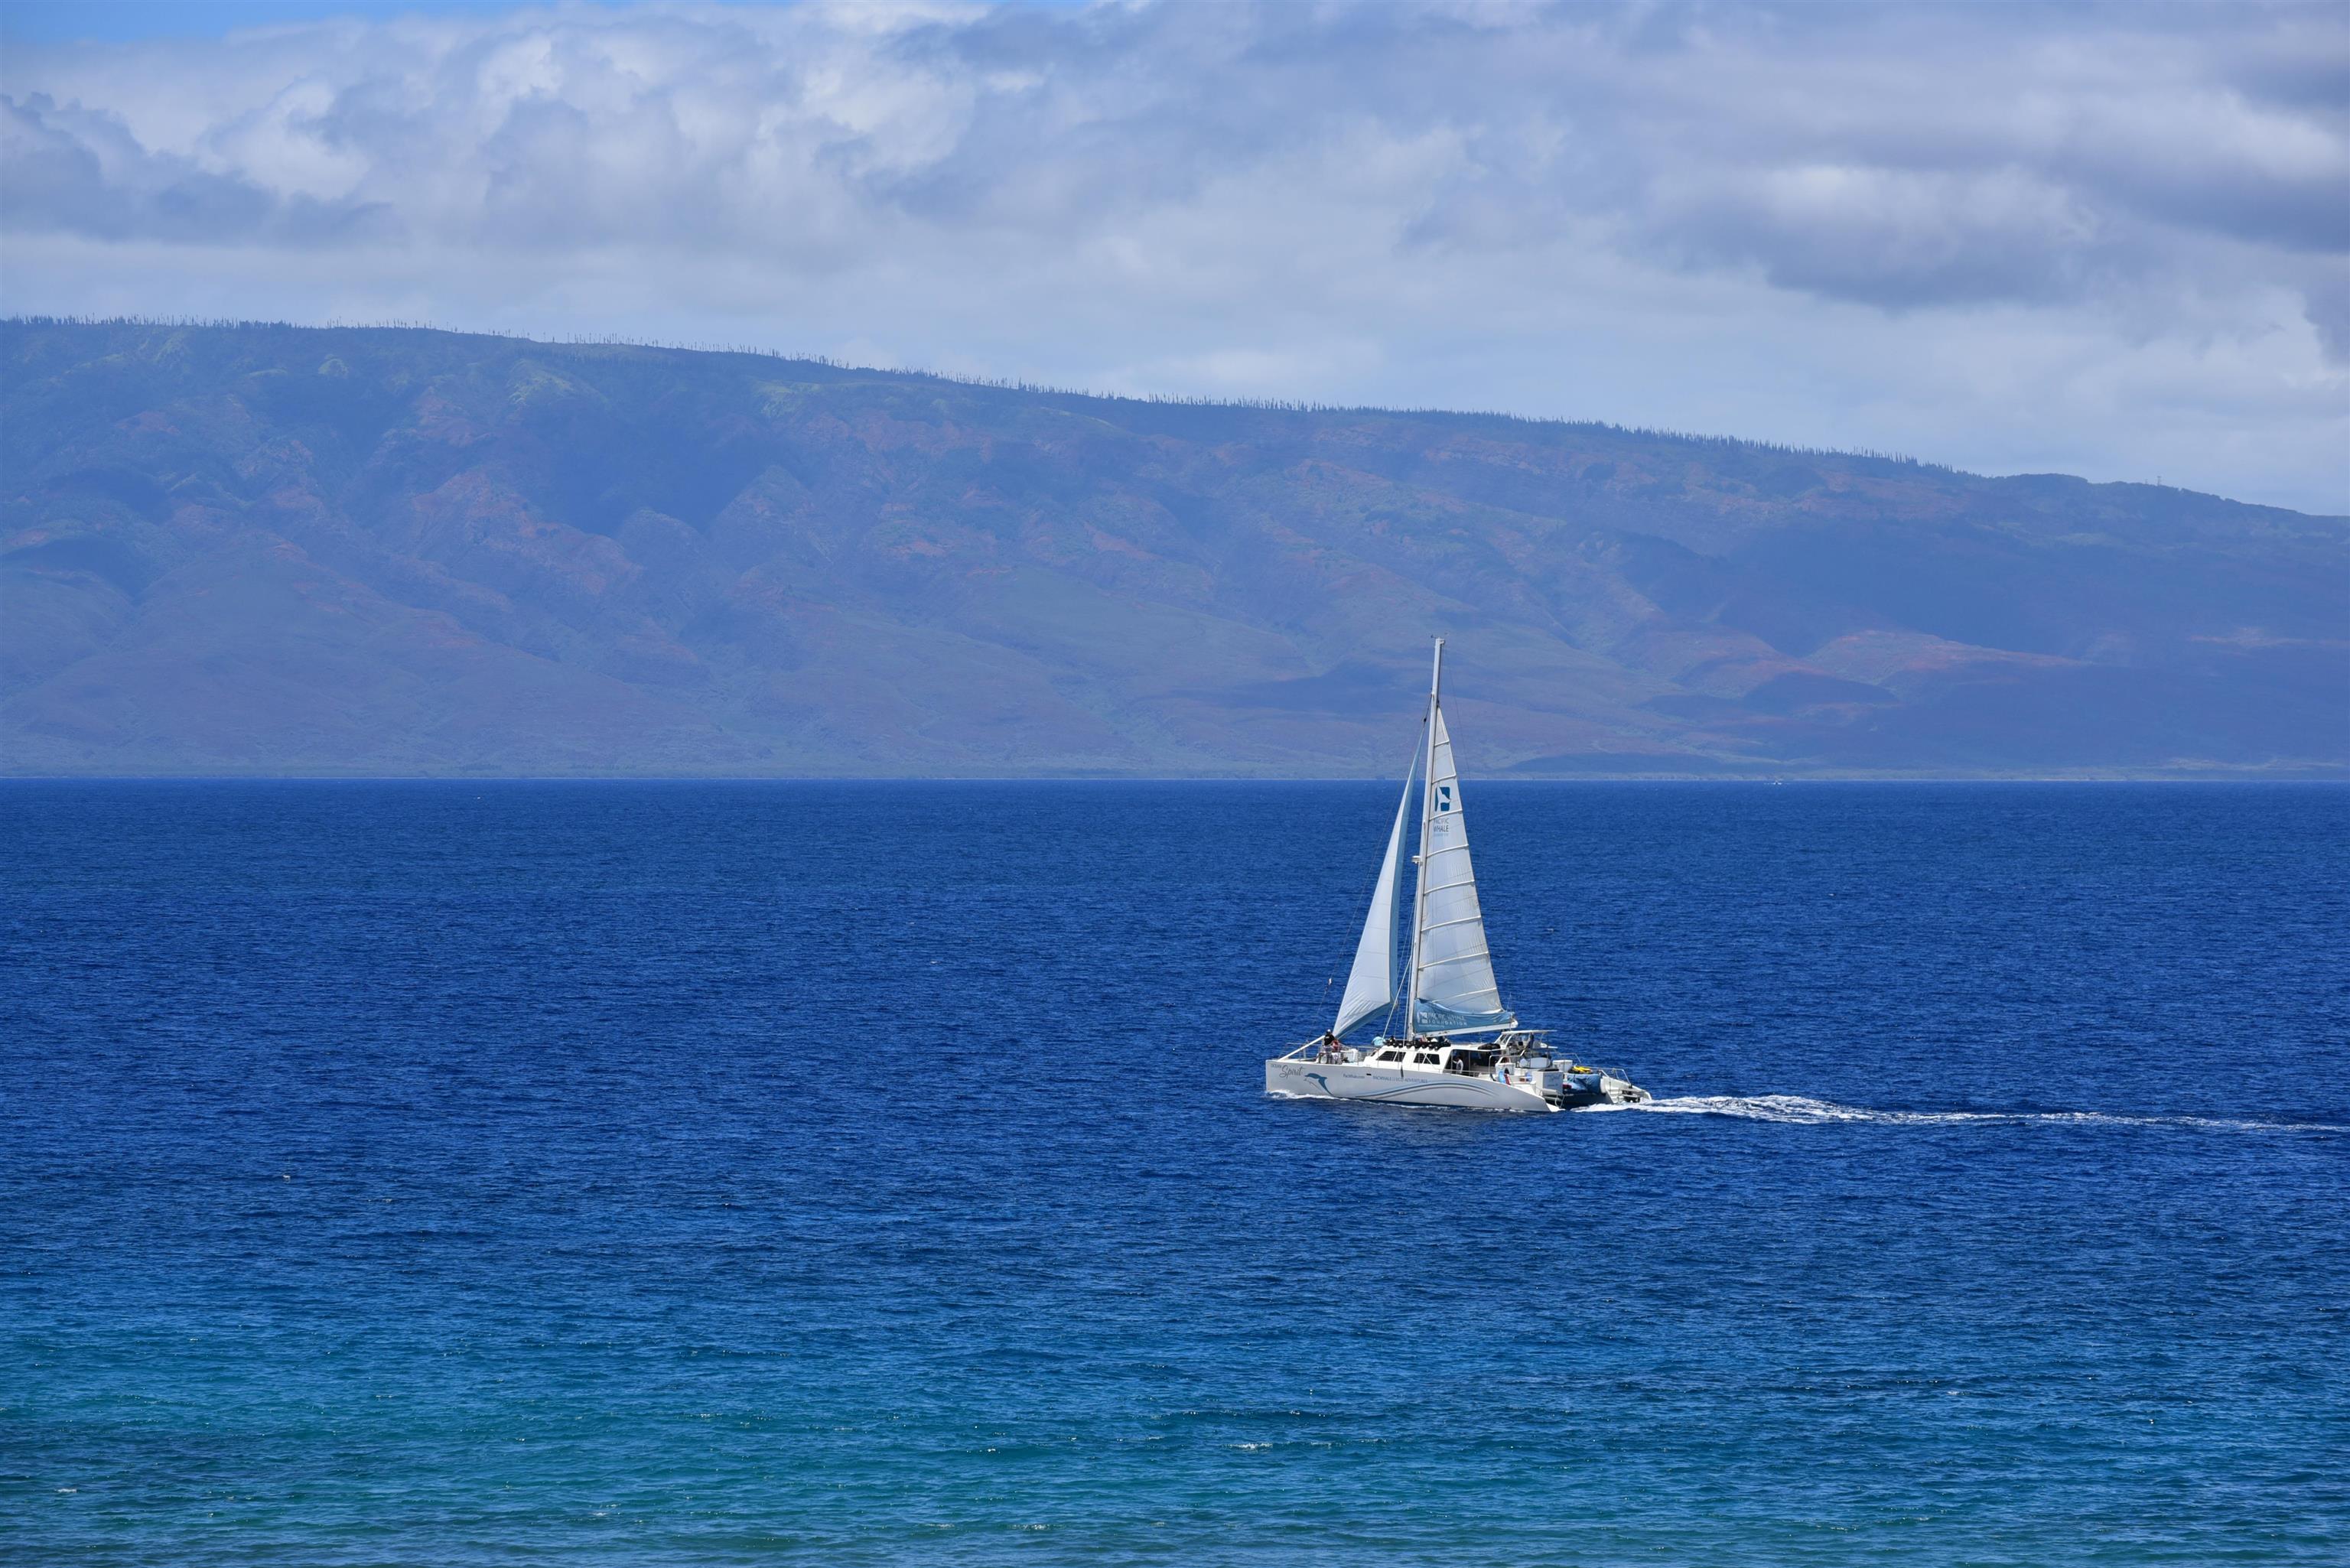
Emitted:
pixel 869 1174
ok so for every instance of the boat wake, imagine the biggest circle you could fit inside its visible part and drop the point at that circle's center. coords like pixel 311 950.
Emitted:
pixel 1801 1111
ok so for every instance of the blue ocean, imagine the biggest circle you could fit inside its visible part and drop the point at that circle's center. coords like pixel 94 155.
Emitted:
pixel 466 1173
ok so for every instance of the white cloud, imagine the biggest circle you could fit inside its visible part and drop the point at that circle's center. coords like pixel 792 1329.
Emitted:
pixel 2106 240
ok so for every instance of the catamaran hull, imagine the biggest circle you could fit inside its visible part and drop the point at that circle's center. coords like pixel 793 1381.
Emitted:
pixel 1395 1087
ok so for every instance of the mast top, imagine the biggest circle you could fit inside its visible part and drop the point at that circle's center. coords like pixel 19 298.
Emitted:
pixel 1436 674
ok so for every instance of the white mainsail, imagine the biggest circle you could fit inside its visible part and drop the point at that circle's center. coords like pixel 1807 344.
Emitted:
pixel 1370 985
pixel 1452 975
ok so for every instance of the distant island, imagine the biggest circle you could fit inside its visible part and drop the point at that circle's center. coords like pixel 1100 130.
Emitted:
pixel 255 550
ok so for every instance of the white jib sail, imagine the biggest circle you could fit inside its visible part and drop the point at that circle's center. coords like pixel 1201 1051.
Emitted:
pixel 1456 987
pixel 1370 985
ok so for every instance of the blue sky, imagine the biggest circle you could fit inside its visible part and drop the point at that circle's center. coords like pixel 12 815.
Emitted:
pixel 66 21
pixel 2109 241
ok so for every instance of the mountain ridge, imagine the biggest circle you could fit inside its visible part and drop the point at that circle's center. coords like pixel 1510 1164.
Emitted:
pixel 396 551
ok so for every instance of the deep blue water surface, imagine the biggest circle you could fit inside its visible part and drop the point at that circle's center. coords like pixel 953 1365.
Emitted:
pixel 879 1173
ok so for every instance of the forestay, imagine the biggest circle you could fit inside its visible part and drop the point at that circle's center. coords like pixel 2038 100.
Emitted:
pixel 1455 985
pixel 1370 985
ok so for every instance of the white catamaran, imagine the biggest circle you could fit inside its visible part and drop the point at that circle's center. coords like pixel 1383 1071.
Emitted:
pixel 1460 1046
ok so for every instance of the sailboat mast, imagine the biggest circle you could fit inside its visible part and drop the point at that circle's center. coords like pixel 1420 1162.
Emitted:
pixel 1420 861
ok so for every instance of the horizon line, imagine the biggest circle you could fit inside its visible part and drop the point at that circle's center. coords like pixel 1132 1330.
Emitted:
pixel 2314 772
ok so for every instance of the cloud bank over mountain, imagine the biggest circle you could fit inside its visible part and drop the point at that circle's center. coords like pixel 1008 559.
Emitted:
pixel 2104 240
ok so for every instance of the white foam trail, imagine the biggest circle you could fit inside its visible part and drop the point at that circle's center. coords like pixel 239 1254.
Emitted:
pixel 1801 1111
